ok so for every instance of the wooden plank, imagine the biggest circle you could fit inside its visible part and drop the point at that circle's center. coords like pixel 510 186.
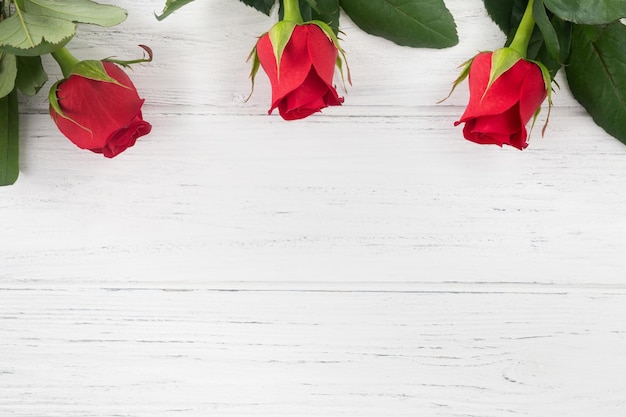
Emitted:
pixel 363 262
pixel 106 352
pixel 400 198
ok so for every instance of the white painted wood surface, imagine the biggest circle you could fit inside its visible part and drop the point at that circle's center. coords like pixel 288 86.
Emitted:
pixel 364 262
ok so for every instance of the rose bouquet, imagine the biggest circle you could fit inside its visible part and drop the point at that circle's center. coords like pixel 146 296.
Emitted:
pixel 95 105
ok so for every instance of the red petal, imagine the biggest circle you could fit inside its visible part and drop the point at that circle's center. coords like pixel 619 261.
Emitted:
pixel 97 108
pixel 532 94
pixel 305 100
pixel 295 63
pixel 519 140
pixel 267 59
pixel 126 137
pixel 312 96
pixel 506 123
pixel 503 93
pixel 503 129
pixel 471 133
pixel 323 53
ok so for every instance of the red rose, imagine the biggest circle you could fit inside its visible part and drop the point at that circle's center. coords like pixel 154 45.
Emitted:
pixel 500 115
pixel 101 116
pixel 307 66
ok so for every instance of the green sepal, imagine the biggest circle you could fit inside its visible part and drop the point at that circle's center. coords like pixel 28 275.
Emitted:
pixel 256 64
pixel 328 30
pixel 9 139
pixel 94 70
pixel 462 76
pixel 8 73
pixel 279 35
pixel 547 81
pixel 128 63
pixel 502 60
pixel 54 103
pixel 54 100
pixel 339 64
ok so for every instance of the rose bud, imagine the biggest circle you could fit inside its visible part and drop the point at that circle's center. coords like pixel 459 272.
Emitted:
pixel 97 107
pixel 303 85
pixel 299 59
pixel 498 113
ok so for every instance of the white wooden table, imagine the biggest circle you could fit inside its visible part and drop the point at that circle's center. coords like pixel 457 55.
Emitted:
pixel 367 261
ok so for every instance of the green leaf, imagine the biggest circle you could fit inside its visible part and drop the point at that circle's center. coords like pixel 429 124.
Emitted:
pixel 550 37
pixel 596 74
pixel 564 32
pixel 590 12
pixel 264 6
pixel 507 14
pixel 9 139
pixel 324 6
pixel 171 6
pixel 30 35
pixel 331 18
pixel 8 73
pixel 81 11
pixel 30 75
pixel 416 23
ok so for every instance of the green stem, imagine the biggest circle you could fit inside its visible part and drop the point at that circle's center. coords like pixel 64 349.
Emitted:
pixel 291 9
pixel 9 138
pixel 524 31
pixel 65 60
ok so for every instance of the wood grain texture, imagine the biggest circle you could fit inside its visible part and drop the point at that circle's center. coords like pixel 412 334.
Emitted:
pixel 367 261
pixel 282 351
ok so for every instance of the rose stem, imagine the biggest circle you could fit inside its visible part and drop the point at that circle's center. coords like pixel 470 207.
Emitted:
pixel 524 31
pixel 65 60
pixel 292 11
